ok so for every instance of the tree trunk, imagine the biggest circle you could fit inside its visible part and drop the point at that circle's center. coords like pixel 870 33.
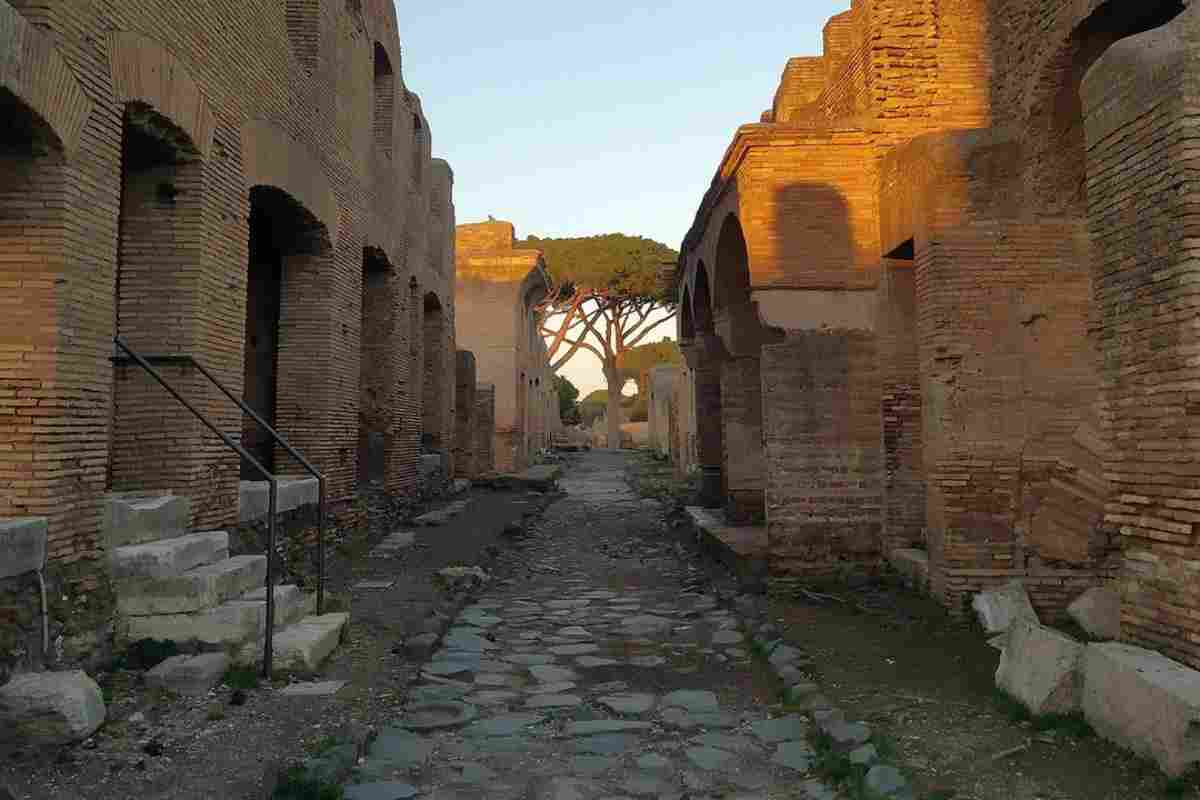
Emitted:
pixel 613 378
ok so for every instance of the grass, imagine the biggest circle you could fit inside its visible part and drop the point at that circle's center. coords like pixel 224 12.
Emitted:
pixel 242 677
pixel 834 767
pixel 298 784
pixel 1073 724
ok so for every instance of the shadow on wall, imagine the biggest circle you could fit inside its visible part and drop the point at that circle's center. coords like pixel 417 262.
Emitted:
pixel 821 390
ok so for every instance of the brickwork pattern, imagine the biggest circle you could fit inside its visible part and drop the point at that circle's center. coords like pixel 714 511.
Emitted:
pixel 465 413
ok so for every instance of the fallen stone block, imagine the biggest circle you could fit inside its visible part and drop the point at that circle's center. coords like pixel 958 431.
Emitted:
pixel 1098 611
pixel 998 608
pixel 49 708
pixel 1039 667
pixel 1144 701
pixel 189 675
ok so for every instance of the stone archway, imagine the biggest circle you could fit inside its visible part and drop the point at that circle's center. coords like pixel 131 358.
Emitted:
pixel 707 353
pixel 743 462
pixel 435 396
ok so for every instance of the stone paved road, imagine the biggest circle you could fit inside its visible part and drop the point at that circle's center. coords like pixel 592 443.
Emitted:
pixel 602 670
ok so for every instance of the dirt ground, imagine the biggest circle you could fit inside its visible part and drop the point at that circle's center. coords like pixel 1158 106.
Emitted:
pixel 157 746
pixel 897 660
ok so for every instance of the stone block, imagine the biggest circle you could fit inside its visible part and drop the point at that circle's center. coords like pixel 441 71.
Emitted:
pixel 22 545
pixel 169 556
pixel 291 603
pixel 189 675
pixel 998 608
pixel 230 623
pixel 302 645
pixel 49 708
pixel 140 517
pixel 1039 667
pixel 194 590
pixel 254 497
pixel 1098 611
pixel 1144 701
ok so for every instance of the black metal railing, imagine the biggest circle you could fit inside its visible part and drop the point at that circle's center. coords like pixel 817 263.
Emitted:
pixel 147 364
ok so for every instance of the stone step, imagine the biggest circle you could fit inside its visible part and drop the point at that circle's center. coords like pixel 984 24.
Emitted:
pixel 195 590
pixel 22 545
pixel 254 497
pixel 301 646
pixel 140 517
pixel 229 624
pixel 169 557
pixel 291 603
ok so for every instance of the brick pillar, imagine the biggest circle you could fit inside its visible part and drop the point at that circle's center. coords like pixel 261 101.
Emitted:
pixel 465 413
pixel 1140 105
pixel 704 357
pixel 484 459
pixel 741 427
pixel 823 454
pixel 900 407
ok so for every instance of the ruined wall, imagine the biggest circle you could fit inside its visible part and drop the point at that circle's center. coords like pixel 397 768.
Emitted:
pixel 496 289
pixel 317 126
pixel 483 461
pixel 465 413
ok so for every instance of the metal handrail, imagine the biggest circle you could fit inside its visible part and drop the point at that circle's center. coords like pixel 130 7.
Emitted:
pixel 146 363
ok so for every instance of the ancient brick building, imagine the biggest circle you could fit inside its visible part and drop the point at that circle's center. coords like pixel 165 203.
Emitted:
pixel 248 183
pixel 498 288
pixel 936 306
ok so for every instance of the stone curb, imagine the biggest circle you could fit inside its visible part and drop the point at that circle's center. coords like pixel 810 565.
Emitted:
pixel 785 661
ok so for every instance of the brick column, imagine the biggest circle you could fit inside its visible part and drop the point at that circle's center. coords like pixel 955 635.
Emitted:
pixel 702 356
pixel 741 427
pixel 823 454
pixel 464 413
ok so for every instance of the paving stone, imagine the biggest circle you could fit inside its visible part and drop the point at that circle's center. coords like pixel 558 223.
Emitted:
pixel 468 640
pixel 783 655
pixel 816 790
pixel 436 716
pixel 565 789
pixel 645 786
pixel 494 665
pixel 848 735
pixel 530 658
pixel 589 662
pixel 637 703
pixel 384 790
pixel 400 748
pixel 679 719
pixel 437 693
pixel 574 649
pixel 727 637
pixel 781 728
pixel 504 725
pixel 491 697
pixel 593 765
pixel 374 585
pixel 475 773
pixel 452 665
pixel 709 758
pixel 550 688
pixel 568 604
pixel 864 756
pixel 725 741
pixel 553 701
pixel 574 632
pixel 644 624
pixel 547 673
pixel 692 700
pixel 794 755
pixel 647 661
pixel 606 744
pixel 320 689
pixel 653 761
pixel 493 679
pixel 887 781
pixel 593 726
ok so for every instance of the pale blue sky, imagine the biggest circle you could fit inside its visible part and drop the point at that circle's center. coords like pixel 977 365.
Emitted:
pixel 571 119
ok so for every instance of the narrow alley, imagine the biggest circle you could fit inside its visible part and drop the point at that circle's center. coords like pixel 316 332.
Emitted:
pixel 599 667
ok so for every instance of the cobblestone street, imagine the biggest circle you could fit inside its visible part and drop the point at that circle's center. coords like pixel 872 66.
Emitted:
pixel 599 667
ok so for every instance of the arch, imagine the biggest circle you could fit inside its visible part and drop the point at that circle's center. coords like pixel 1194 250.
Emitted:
pixel 37 78
pixel 1056 161
pixel 732 272
pixel 436 397
pixel 702 307
pixel 384 101
pixel 271 158
pixel 687 325
pixel 143 72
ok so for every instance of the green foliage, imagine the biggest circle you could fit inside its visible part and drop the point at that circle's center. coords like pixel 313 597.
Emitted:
pixel 568 399
pixel 146 654
pixel 242 677
pixel 635 361
pixel 299 784
pixel 625 265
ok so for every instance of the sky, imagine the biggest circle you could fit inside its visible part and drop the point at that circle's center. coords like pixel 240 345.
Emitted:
pixel 573 119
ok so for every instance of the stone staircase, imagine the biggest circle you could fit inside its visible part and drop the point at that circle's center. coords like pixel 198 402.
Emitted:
pixel 184 587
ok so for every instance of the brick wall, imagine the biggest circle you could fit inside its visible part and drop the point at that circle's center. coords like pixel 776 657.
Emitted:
pixel 483 461
pixel 742 439
pixel 285 100
pixel 822 432
pixel 465 413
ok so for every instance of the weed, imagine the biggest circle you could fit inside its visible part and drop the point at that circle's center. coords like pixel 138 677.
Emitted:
pixel 298 784
pixel 1010 707
pixel 145 654
pixel 242 677
pixel 323 745
pixel 1073 725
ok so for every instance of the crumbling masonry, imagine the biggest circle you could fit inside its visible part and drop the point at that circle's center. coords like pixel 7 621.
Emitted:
pixel 246 183
pixel 937 307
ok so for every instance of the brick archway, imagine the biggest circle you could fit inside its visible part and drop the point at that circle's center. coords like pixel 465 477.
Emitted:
pixel 435 391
